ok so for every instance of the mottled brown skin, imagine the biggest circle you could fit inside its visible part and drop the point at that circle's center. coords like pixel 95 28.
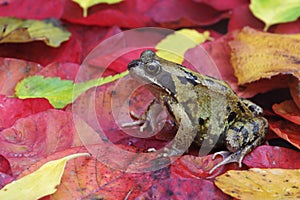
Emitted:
pixel 206 110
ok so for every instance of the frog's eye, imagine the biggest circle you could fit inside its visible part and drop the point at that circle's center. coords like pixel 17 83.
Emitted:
pixel 153 68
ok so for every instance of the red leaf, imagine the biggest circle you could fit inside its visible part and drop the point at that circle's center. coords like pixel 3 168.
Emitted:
pixel 67 71
pixel 288 110
pixel 294 85
pixel 4 165
pixel 12 109
pixel 180 13
pixel 128 14
pixel 184 188
pixel 287 130
pixel 189 166
pixel 37 9
pixel 89 178
pixel 69 51
pixel 288 28
pixel 223 5
pixel 35 137
pixel 273 157
pixel 12 71
pixel 241 16
pixel 5 179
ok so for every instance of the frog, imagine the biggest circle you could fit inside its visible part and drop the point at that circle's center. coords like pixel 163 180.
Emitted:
pixel 205 110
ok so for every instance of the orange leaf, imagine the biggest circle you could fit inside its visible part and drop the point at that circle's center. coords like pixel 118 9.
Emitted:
pixel 287 130
pixel 257 55
pixel 288 110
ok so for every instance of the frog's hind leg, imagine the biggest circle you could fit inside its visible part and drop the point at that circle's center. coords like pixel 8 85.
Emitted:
pixel 242 138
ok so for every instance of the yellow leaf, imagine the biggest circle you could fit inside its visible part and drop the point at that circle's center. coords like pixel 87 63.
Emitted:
pixel 13 30
pixel 174 46
pixel 261 183
pixel 85 4
pixel 256 55
pixel 40 183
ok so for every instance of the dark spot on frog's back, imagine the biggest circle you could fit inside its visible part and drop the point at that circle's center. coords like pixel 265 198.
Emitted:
pixel 231 117
pixel 241 107
pixel 182 80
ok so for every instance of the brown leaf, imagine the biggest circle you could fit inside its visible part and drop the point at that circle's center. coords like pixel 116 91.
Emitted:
pixel 257 55
pixel 261 183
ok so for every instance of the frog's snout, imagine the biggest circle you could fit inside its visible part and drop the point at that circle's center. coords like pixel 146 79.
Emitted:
pixel 134 63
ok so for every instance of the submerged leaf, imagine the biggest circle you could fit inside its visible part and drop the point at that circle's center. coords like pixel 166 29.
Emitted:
pixel 256 55
pixel 85 4
pixel 15 30
pixel 275 11
pixel 260 183
pixel 58 92
pixel 40 183
pixel 174 46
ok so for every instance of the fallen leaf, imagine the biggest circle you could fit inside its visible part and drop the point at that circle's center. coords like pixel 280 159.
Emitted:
pixel 12 109
pixel 266 156
pixel 260 183
pixel 59 92
pixel 127 14
pixel 19 31
pixel 36 136
pixel 294 85
pixel 287 130
pixel 177 14
pixel 65 71
pixel 288 110
pixel 275 11
pixel 89 3
pixel 256 55
pixel 223 5
pixel 183 188
pixel 14 70
pixel 38 9
pixel 40 183
pixel 174 46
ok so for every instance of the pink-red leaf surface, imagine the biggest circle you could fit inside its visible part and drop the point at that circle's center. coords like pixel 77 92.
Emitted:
pixel 288 110
pixel 36 136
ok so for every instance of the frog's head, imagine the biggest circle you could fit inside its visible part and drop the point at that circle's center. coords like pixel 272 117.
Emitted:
pixel 158 72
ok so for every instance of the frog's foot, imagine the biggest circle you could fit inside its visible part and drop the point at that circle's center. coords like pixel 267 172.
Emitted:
pixel 228 157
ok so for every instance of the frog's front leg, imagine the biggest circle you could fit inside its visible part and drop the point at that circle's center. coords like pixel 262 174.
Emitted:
pixel 241 138
pixel 149 120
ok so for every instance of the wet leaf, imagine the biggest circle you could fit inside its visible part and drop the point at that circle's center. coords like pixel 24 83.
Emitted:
pixel 14 70
pixel 256 55
pixel 58 92
pixel 85 4
pixel 275 11
pixel 266 156
pixel 36 136
pixel 40 183
pixel 260 183
pixel 19 31
pixel 287 130
pixel 288 110
pixel 12 109
pixel 183 188
pixel 174 46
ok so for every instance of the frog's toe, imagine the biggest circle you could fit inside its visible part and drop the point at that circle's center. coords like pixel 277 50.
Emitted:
pixel 224 154
pixel 228 157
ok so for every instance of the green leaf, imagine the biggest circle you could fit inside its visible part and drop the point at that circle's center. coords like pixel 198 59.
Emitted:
pixel 85 4
pixel 275 11
pixel 13 30
pixel 40 183
pixel 174 46
pixel 58 92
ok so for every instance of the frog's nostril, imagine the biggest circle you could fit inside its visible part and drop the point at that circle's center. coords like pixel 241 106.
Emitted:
pixel 134 63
